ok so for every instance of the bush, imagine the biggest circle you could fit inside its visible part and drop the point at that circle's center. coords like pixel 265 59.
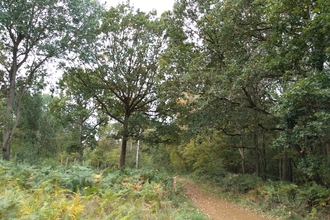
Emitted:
pixel 307 201
pixel 240 183
pixel 285 200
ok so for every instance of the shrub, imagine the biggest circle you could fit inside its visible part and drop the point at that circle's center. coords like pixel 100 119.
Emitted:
pixel 240 183
pixel 310 200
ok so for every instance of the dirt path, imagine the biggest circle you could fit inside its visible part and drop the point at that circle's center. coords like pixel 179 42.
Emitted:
pixel 215 208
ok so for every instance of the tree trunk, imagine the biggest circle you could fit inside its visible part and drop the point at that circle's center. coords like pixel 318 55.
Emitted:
pixel 256 153
pixel 11 122
pixel 6 142
pixel 137 154
pixel 290 176
pixel 80 147
pixel 122 161
pixel 123 151
pixel 9 125
pixel 264 159
pixel 241 151
pixel 328 157
pixel 280 168
pixel 284 165
pixel 326 143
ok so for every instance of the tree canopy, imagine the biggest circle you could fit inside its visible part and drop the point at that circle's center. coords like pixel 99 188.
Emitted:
pixel 125 76
pixel 211 85
pixel 33 32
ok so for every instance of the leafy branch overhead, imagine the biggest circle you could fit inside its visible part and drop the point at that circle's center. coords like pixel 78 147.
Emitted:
pixel 125 76
pixel 32 33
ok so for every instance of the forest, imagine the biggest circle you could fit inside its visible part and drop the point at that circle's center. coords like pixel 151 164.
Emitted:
pixel 104 105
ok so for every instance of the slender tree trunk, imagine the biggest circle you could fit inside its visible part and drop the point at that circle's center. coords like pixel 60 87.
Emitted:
pixel 137 154
pixel 284 165
pixel 241 151
pixel 326 143
pixel 280 168
pixel 256 153
pixel 264 159
pixel 328 156
pixel 10 123
pixel 6 140
pixel 290 177
pixel 80 147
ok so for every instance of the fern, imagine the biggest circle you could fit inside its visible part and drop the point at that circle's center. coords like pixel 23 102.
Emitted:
pixel 76 208
pixel 79 192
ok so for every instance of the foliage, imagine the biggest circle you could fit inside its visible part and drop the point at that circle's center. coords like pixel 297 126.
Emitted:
pixel 220 89
pixel 240 183
pixel 309 201
pixel 125 75
pixel 304 111
pixel 209 161
pixel 80 192
pixel 247 69
pixel 77 112
pixel 35 137
pixel 105 155
pixel 33 33
pixel 281 199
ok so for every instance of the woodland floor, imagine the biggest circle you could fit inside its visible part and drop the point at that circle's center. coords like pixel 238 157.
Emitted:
pixel 215 208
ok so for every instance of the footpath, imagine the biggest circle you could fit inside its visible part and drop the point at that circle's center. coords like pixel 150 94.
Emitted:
pixel 215 208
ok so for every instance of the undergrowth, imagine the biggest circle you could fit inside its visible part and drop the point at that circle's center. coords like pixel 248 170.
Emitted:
pixel 79 192
pixel 281 199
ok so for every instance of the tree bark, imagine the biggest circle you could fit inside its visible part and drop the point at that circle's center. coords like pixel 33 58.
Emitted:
pixel 264 159
pixel 122 161
pixel 290 176
pixel 284 165
pixel 80 147
pixel 123 151
pixel 241 151
pixel 256 153
pixel 10 123
pixel 137 154
pixel 280 168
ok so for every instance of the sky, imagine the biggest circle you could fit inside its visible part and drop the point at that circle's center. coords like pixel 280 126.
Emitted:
pixel 146 5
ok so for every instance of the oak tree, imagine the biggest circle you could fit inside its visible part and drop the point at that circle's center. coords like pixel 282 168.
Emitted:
pixel 126 75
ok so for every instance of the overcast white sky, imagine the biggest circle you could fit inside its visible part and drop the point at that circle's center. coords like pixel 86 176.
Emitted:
pixel 146 5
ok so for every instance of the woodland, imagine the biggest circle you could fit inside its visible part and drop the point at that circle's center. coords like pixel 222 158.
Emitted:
pixel 236 92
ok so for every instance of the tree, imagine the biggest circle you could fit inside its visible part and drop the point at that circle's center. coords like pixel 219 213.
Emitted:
pixel 78 111
pixel 236 60
pixel 298 49
pixel 35 136
pixel 299 44
pixel 225 83
pixel 305 114
pixel 126 77
pixel 32 33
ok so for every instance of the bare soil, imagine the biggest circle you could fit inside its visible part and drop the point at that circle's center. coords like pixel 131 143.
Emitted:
pixel 216 208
